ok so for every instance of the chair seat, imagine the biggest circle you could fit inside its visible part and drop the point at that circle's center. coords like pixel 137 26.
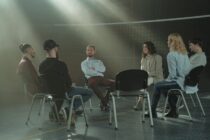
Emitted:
pixel 191 89
pixel 49 96
pixel 130 93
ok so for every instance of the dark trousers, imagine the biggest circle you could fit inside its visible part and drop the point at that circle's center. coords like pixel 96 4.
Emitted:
pixel 162 88
pixel 58 101
pixel 96 82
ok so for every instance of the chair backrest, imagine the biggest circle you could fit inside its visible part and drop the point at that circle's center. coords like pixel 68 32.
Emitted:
pixel 130 80
pixel 192 79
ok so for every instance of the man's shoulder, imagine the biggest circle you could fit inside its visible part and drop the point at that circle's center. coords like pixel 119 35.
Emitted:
pixel 84 61
pixel 24 62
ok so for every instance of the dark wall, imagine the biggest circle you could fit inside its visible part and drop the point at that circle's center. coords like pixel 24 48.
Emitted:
pixel 119 46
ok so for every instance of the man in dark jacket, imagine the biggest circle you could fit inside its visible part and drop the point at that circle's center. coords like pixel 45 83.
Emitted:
pixel 27 71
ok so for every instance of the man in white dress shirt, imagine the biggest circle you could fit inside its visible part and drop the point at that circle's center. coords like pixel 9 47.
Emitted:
pixel 93 70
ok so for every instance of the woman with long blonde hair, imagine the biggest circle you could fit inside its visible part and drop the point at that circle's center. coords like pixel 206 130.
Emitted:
pixel 178 67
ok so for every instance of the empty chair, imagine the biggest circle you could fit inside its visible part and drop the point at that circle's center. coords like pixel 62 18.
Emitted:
pixel 134 80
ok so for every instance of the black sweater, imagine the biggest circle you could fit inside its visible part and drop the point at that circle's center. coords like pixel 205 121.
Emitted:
pixel 56 76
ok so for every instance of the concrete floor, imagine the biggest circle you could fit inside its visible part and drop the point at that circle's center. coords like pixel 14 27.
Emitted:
pixel 13 117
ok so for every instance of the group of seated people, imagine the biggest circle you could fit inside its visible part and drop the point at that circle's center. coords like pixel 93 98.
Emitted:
pixel 54 77
pixel 179 65
pixel 57 78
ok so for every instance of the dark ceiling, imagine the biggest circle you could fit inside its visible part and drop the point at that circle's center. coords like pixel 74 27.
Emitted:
pixel 42 12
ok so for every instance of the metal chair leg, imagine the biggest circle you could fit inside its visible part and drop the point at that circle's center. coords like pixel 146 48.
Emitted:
pixel 40 105
pixel 42 111
pixel 143 110
pixel 91 105
pixel 179 104
pixel 70 114
pixel 83 107
pixel 193 101
pixel 110 115
pixel 196 94
pixel 137 102
pixel 164 109
pixel 56 109
pixel 185 103
pixel 114 110
pixel 31 107
pixel 150 110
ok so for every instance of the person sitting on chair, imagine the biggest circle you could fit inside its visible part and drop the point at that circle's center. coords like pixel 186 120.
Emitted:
pixel 151 62
pixel 178 67
pixel 27 70
pixel 58 80
pixel 198 58
pixel 94 72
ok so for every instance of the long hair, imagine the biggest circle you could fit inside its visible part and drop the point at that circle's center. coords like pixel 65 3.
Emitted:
pixel 176 43
pixel 151 48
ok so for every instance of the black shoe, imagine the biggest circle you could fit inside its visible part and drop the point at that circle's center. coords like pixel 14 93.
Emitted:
pixel 62 118
pixel 172 114
pixel 104 107
pixel 79 112
pixel 147 115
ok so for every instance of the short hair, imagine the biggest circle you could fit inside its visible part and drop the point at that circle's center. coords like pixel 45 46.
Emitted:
pixel 196 41
pixel 150 47
pixel 23 47
pixel 91 46
pixel 49 44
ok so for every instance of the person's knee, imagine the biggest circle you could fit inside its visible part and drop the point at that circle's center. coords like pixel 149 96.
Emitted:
pixel 92 84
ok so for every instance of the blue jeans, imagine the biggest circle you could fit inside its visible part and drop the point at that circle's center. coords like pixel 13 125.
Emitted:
pixel 162 87
pixel 84 92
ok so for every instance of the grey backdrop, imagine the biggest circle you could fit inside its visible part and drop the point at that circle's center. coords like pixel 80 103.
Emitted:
pixel 119 46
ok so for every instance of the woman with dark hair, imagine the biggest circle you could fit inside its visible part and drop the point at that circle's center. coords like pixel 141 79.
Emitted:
pixel 151 62
pixel 198 58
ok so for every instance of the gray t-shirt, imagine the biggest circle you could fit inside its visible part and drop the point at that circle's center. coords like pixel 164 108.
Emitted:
pixel 198 59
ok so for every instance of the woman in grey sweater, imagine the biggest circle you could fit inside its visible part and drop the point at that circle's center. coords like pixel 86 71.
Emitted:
pixel 199 57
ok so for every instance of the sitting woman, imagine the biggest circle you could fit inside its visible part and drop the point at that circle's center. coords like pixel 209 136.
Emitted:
pixel 178 67
pixel 151 62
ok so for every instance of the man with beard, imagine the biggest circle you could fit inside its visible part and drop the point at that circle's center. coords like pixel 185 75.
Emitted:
pixel 93 70
pixel 26 69
pixel 56 76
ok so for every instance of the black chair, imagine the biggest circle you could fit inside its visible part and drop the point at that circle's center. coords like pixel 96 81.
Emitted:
pixel 190 88
pixel 134 80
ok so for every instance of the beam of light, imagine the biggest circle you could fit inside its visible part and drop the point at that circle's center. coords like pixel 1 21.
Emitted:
pixel 109 6
pixel 14 29
pixel 103 37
